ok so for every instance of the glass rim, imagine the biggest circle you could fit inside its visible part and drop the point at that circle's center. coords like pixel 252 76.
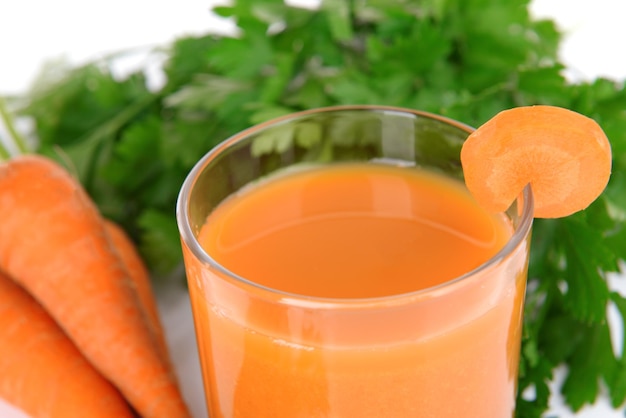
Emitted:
pixel 189 239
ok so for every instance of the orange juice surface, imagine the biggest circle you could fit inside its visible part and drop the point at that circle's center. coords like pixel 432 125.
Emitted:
pixel 360 325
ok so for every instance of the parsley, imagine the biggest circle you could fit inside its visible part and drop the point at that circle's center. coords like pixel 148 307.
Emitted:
pixel 465 59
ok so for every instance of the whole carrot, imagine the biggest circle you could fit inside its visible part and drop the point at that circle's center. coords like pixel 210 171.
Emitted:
pixel 54 243
pixel 140 276
pixel 41 370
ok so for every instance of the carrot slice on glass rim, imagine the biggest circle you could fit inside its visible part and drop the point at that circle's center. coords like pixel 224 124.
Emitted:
pixel 563 155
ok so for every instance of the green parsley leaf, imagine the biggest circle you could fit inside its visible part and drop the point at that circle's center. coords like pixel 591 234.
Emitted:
pixel 159 234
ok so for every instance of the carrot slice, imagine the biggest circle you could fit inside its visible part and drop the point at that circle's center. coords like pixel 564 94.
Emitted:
pixel 563 155
pixel 41 371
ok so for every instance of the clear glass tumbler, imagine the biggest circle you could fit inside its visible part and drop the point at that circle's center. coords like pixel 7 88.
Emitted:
pixel 449 350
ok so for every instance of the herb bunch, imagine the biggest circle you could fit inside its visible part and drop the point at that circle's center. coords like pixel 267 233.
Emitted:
pixel 132 146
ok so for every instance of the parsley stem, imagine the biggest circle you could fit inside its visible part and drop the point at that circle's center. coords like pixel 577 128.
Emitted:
pixel 18 139
pixel 4 152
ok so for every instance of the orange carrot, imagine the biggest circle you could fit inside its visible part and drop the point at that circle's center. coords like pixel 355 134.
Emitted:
pixel 54 243
pixel 563 155
pixel 140 276
pixel 41 370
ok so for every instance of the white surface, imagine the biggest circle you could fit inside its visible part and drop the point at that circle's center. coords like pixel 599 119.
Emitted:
pixel 34 31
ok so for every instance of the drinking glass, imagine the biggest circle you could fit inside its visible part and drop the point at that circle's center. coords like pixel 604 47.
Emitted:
pixel 449 350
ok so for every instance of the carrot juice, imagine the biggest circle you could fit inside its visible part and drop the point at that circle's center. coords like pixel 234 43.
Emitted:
pixel 356 289
pixel 360 231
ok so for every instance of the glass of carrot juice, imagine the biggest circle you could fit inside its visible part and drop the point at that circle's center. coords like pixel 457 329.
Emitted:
pixel 338 267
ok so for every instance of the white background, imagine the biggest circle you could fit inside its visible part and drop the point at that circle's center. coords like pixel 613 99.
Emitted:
pixel 35 31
